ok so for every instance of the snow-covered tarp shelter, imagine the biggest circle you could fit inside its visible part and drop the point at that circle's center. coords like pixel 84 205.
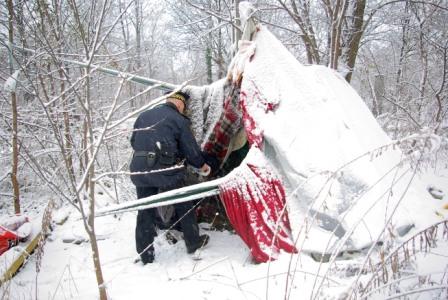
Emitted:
pixel 345 180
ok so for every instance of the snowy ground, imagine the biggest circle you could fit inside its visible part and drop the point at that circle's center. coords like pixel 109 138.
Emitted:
pixel 223 271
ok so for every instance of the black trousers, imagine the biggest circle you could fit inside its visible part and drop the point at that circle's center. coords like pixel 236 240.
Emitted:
pixel 145 230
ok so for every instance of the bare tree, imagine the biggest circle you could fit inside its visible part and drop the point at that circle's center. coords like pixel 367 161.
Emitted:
pixel 413 67
pixel 352 38
pixel 15 148
pixel 299 11
pixel 213 27
pixel 345 25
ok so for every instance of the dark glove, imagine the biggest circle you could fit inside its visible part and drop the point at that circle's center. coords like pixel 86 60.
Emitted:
pixel 212 161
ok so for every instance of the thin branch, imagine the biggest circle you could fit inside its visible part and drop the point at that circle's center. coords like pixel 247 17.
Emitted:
pixel 418 291
pixel 209 12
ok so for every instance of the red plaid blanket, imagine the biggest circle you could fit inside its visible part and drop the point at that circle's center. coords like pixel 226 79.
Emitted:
pixel 227 126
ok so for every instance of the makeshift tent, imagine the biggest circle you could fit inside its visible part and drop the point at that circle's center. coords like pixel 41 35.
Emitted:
pixel 345 180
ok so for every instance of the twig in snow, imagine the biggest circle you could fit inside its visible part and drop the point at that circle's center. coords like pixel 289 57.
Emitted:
pixel 204 268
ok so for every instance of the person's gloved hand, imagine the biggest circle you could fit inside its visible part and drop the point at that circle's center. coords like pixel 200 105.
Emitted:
pixel 204 170
pixel 212 161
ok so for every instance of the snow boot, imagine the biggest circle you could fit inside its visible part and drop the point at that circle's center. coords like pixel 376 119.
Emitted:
pixel 147 257
pixel 173 236
pixel 203 240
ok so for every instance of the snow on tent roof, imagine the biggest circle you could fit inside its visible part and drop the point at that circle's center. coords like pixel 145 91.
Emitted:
pixel 322 139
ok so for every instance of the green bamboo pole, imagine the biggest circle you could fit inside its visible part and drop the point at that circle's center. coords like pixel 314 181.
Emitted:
pixel 131 77
pixel 185 194
pixel 165 86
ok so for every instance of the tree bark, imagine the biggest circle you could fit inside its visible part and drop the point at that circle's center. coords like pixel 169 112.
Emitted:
pixel 304 23
pixel 379 91
pixel 138 46
pixel 337 19
pixel 89 182
pixel 354 38
pixel 236 31
pixel 439 98
pixel 423 60
pixel 208 51
pixel 67 135
pixel 15 148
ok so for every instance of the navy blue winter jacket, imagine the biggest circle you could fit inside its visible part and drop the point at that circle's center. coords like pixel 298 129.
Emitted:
pixel 164 126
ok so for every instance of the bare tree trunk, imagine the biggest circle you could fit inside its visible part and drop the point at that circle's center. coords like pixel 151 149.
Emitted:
pixel 15 148
pixel 236 31
pixel 337 18
pixel 220 58
pixel 67 135
pixel 138 41
pixel 89 181
pixel 404 42
pixel 15 155
pixel 208 62
pixel 379 91
pixel 85 154
pixel 208 50
pixel 354 37
pixel 438 117
pixel 302 18
pixel 125 32
pixel 423 60
pixel 138 37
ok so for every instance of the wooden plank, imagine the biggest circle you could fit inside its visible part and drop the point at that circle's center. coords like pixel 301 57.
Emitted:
pixel 20 259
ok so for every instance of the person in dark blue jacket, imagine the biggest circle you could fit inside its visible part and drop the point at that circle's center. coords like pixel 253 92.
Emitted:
pixel 163 144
